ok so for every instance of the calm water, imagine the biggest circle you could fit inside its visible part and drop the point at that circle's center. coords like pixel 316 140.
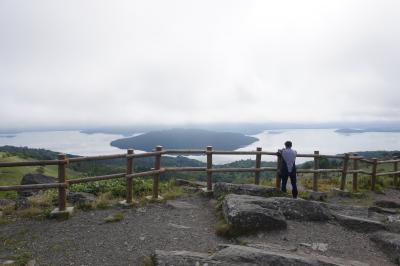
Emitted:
pixel 304 141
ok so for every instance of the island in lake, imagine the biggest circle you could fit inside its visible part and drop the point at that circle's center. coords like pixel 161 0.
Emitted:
pixel 185 139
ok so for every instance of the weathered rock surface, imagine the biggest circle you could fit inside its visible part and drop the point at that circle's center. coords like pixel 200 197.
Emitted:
pixel 183 182
pixel 389 243
pixel 81 199
pixel 387 204
pixel 251 212
pixel 179 204
pixel 245 255
pixel 382 210
pixel 360 224
pixel 30 179
pixel 222 188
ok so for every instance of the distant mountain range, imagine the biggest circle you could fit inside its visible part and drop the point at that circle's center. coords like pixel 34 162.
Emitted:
pixel 185 139
pixel 353 130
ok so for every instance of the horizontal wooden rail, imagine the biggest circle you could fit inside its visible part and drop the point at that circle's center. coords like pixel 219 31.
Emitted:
pixel 185 169
pixel 195 151
pixel 235 152
pixel 388 173
pixel 303 171
pixel 227 170
pixel 145 154
pixel 101 157
pixel 389 161
pixel 95 178
pixel 30 163
pixel 146 173
pixel 34 186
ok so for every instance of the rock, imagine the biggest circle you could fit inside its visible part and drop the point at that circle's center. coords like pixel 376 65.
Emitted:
pixel 389 243
pixel 31 179
pixel 5 202
pixel 341 193
pixel 387 204
pixel 221 189
pixel 184 258
pixel 81 199
pixel 393 223
pixel 360 224
pixel 243 213
pixel 317 195
pixel 178 226
pixel 246 256
pixel 178 204
pixel 182 182
pixel 251 212
pixel 382 210
pixel 21 203
pixel 320 246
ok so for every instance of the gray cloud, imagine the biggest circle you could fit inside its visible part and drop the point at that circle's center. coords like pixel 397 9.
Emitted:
pixel 122 62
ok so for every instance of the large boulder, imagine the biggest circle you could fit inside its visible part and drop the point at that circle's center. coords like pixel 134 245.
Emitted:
pixel 251 212
pixel 246 256
pixel 389 243
pixel 221 189
pixel 31 179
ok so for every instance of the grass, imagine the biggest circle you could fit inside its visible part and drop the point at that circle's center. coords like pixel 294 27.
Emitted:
pixel 116 217
pixel 148 261
pixel 14 244
pixel 171 191
pixel 13 175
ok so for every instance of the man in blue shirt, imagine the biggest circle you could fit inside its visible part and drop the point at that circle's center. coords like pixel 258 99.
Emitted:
pixel 288 168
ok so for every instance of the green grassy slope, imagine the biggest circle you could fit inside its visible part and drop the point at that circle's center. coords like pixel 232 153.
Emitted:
pixel 13 175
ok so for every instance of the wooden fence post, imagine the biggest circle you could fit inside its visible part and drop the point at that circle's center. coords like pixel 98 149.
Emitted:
pixel 396 176
pixel 344 171
pixel 129 180
pixel 278 169
pixel 209 167
pixel 156 177
pixel 373 177
pixel 316 167
pixel 62 196
pixel 258 166
pixel 355 174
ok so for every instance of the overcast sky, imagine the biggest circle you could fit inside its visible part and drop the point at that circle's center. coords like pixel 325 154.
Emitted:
pixel 92 63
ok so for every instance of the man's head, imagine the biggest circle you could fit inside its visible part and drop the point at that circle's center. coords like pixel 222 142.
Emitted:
pixel 288 144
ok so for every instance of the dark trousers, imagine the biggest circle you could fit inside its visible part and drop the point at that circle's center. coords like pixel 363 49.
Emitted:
pixel 293 179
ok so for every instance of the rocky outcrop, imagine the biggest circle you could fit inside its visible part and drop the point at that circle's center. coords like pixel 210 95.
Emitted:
pixel 246 256
pixel 360 224
pixel 221 189
pixel 187 183
pixel 251 212
pixel 30 179
pixel 387 204
pixel 389 243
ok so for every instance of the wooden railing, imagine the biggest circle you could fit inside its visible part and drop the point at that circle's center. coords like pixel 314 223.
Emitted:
pixel 63 161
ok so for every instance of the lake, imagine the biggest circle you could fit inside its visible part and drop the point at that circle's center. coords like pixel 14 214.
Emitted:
pixel 327 141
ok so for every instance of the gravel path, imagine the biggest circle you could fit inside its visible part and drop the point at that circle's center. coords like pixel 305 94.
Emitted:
pixel 341 242
pixel 86 240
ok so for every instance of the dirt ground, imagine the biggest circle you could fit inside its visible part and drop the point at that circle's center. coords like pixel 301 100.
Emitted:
pixel 85 239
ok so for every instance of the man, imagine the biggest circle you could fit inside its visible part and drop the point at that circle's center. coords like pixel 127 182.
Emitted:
pixel 288 168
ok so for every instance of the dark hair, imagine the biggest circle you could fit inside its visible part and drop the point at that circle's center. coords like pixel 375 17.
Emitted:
pixel 288 144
